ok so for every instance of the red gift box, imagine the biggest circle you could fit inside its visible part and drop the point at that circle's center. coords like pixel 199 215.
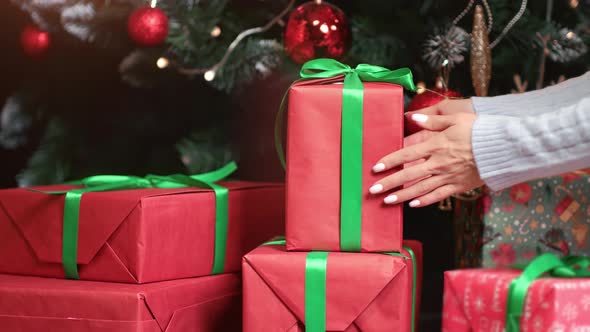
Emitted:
pixel 211 303
pixel 475 301
pixel 136 236
pixel 364 291
pixel 314 165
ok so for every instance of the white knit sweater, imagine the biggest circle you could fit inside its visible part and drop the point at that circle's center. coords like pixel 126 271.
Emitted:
pixel 535 134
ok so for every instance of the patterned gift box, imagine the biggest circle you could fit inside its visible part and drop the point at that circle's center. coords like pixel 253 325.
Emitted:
pixel 545 215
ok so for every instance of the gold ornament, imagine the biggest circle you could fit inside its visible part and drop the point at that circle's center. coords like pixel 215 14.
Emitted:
pixel 481 55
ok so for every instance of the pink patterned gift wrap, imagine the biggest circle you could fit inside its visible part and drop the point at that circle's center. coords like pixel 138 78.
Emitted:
pixel 475 300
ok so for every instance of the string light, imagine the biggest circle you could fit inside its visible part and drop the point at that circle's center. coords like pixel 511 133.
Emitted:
pixel 216 31
pixel 420 87
pixel 154 3
pixel 162 62
pixel 209 75
pixel 570 35
pixel 574 3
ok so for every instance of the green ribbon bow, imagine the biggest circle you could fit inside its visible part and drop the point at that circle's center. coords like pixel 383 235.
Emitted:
pixel 316 265
pixel 351 154
pixel 567 267
pixel 122 182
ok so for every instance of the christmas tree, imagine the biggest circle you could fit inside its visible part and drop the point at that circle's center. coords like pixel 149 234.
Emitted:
pixel 136 87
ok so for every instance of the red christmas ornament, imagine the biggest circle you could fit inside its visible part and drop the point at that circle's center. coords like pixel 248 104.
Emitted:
pixel 316 30
pixel 35 42
pixel 429 98
pixel 148 26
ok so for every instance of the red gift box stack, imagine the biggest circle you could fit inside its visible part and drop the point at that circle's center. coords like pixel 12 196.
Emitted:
pixel 343 265
pixel 165 256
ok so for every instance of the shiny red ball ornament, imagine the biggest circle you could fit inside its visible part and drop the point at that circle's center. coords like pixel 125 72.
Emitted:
pixel 35 42
pixel 316 30
pixel 429 98
pixel 148 26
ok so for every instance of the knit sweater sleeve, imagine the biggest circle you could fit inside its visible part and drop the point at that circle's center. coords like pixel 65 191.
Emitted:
pixel 535 102
pixel 510 150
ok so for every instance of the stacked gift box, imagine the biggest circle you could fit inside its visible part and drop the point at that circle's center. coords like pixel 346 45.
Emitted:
pixel 160 253
pixel 344 265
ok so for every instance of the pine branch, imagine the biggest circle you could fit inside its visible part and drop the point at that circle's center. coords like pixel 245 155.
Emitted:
pixel 370 47
pixel 204 151
pixel 51 162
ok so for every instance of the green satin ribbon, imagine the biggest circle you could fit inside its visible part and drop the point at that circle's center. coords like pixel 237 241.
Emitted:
pixel 351 153
pixel 316 264
pixel 548 263
pixel 122 182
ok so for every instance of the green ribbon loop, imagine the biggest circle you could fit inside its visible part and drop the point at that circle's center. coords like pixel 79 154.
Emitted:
pixel 548 263
pixel 99 183
pixel 351 154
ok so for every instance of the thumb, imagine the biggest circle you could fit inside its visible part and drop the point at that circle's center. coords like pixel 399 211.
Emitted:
pixel 433 122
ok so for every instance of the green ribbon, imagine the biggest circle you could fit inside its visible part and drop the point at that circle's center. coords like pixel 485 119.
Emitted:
pixel 548 263
pixel 99 183
pixel 316 264
pixel 351 154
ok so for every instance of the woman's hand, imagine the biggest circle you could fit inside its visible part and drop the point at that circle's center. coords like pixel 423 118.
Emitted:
pixel 449 166
pixel 445 107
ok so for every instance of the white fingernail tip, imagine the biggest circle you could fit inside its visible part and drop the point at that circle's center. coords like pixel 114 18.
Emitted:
pixel 390 199
pixel 415 203
pixel 419 117
pixel 376 189
pixel 379 167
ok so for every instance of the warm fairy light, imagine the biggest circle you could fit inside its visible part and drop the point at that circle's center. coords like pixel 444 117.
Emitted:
pixel 570 35
pixel 315 22
pixel 574 3
pixel 216 31
pixel 209 75
pixel 154 3
pixel 162 62
pixel 445 62
pixel 420 87
pixel 334 28
pixel 324 28
pixel 318 2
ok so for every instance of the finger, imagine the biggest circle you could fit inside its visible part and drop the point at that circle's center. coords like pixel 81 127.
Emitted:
pixel 418 137
pixel 403 156
pixel 399 178
pixel 430 110
pixel 433 122
pixel 436 195
pixel 417 189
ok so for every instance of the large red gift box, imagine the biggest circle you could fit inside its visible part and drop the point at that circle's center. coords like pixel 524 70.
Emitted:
pixel 475 301
pixel 136 236
pixel 31 304
pixel 364 292
pixel 314 165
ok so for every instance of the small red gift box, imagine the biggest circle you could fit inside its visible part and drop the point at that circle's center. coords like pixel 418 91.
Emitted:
pixel 361 291
pixel 31 304
pixel 136 236
pixel 475 300
pixel 314 173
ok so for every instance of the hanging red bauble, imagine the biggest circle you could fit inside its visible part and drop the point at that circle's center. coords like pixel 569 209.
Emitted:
pixel 35 42
pixel 316 30
pixel 429 98
pixel 148 26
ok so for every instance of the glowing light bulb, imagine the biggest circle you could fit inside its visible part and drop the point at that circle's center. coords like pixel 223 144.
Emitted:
pixel 570 35
pixel 209 75
pixel 315 22
pixel 216 31
pixel 334 28
pixel 420 87
pixel 445 62
pixel 574 3
pixel 162 63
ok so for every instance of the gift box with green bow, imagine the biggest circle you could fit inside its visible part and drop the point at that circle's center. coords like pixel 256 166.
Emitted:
pixel 549 294
pixel 335 134
pixel 137 229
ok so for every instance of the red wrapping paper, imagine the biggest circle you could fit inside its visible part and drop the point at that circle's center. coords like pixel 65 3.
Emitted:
pixel 475 301
pixel 313 165
pixel 31 304
pixel 365 292
pixel 136 236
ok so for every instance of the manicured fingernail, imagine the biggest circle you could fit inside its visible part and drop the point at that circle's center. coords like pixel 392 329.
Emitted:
pixel 420 117
pixel 390 199
pixel 379 167
pixel 375 189
pixel 415 203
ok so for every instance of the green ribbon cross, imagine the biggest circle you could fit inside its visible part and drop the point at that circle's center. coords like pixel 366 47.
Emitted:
pixel 548 263
pixel 99 183
pixel 316 266
pixel 351 153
